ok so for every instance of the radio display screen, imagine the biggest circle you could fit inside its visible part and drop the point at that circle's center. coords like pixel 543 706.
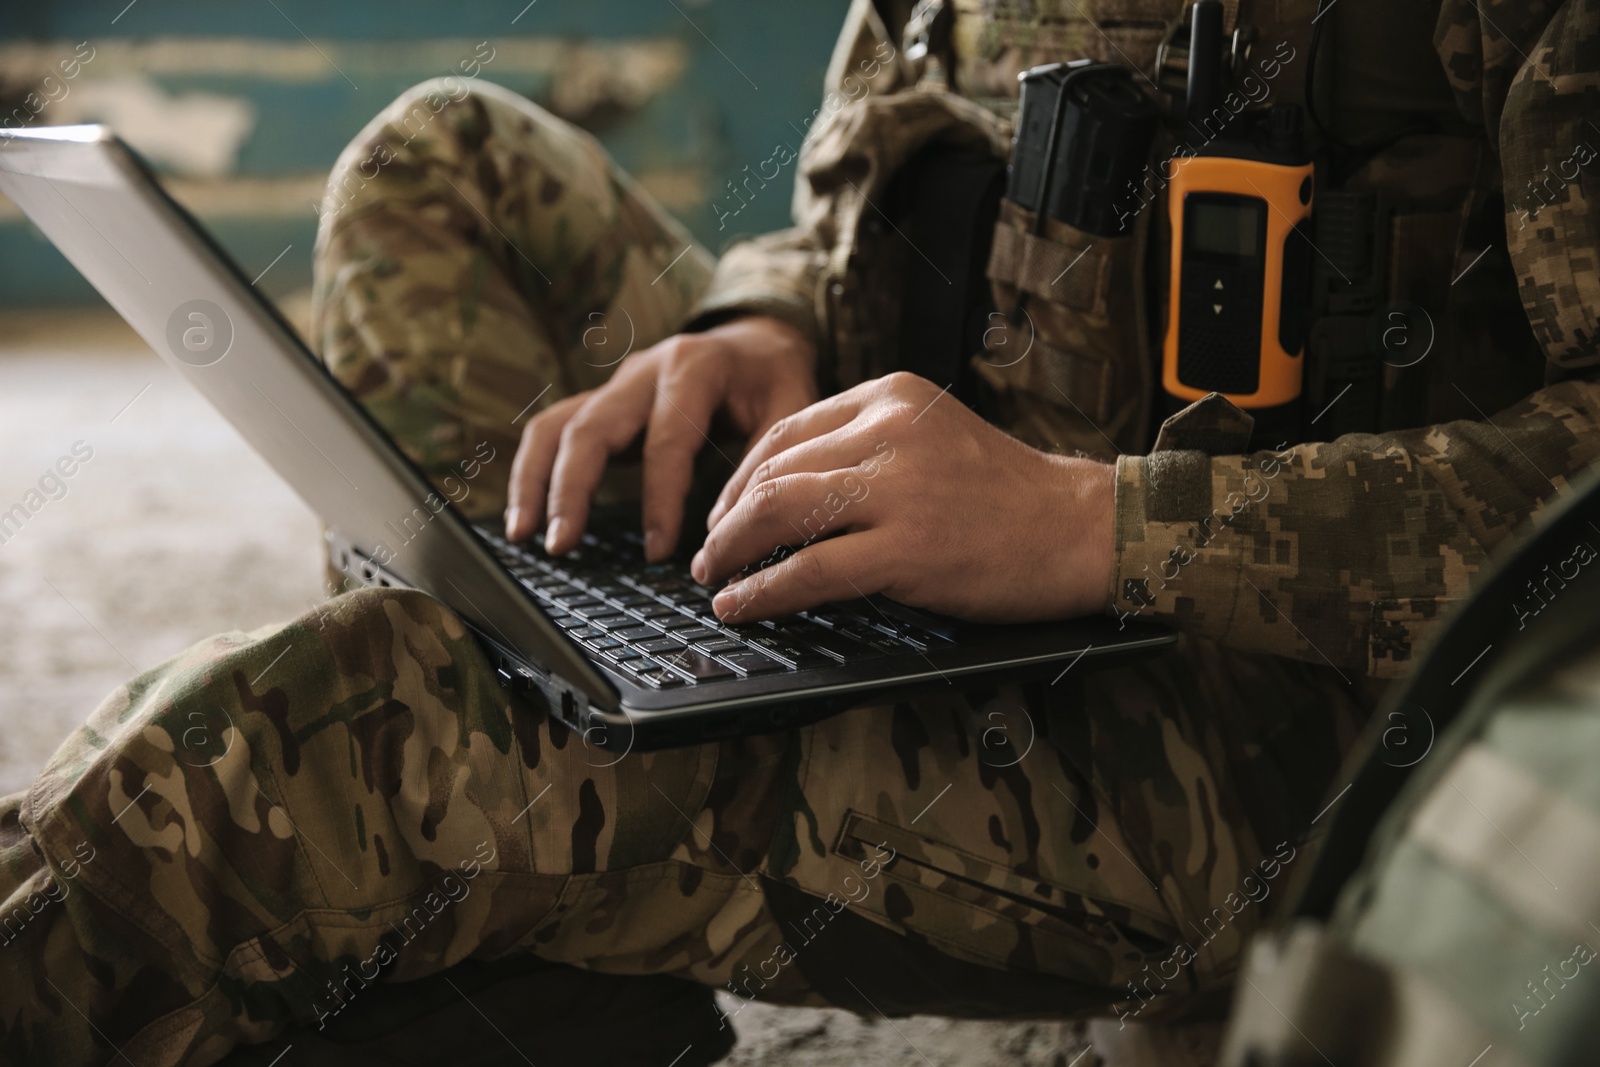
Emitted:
pixel 1224 229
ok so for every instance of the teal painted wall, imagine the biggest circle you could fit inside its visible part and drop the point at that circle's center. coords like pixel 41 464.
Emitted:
pixel 684 93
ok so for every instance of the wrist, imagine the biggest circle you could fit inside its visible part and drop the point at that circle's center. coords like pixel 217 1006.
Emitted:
pixel 794 344
pixel 757 333
pixel 1084 524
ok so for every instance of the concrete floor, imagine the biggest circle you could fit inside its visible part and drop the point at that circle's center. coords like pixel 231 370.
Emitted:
pixel 174 530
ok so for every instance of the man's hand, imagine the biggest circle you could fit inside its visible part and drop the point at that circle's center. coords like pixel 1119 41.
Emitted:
pixel 938 510
pixel 753 370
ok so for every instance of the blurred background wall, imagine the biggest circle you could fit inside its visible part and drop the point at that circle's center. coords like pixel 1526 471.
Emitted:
pixel 244 105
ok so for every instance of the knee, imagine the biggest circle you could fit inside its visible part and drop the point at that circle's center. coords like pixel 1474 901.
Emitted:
pixel 351 665
pixel 441 121
pixel 354 615
pixel 401 642
pixel 394 140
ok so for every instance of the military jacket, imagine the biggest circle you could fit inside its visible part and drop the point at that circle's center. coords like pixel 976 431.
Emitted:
pixel 1342 551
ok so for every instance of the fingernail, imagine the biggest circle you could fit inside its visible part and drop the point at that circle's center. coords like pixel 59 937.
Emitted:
pixel 697 566
pixel 514 522
pixel 724 604
pixel 652 544
pixel 554 534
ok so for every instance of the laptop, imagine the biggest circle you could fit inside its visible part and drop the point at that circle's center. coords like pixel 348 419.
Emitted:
pixel 627 653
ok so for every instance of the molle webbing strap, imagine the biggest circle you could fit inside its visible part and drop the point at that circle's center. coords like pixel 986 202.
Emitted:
pixel 1061 265
pixel 1066 318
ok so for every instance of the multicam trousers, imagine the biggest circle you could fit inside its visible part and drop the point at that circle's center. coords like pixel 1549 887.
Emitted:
pixel 251 834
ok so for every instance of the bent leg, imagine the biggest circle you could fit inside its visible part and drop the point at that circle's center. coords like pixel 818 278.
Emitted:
pixel 1106 843
pixel 479 259
pixel 252 834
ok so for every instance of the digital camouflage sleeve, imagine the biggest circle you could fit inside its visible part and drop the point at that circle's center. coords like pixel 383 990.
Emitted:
pixel 1345 551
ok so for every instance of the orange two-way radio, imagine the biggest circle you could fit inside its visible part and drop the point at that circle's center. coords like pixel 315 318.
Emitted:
pixel 1240 209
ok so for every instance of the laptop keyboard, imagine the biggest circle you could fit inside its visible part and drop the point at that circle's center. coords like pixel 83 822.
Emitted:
pixel 654 623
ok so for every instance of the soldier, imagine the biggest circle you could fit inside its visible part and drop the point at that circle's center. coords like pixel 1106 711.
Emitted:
pixel 273 829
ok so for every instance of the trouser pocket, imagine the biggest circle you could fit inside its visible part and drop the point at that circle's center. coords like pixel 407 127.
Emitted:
pixel 988 913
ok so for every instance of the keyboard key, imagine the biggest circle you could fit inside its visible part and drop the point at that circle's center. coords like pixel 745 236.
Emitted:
pixel 631 600
pixel 682 622
pixel 592 610
pixel 718 644
pixel 791 653
pixel 569 622
pixel 660 678
pixel 904 631
pixel 749 662
pixel 697 665
pixel 873 639
pixel 696 633
pixel 611 623
pixel 638 633
pixel 833 620
pixel 586 633
pixel 601 644
pixel 656 611
pixel 621 654
pixel 796 630
pixel 575 600
pixel 840 647
pixel 559 588
pixel 925 628
pixel 659 644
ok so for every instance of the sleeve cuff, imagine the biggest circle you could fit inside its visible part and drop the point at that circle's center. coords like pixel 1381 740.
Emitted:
pixel 1178 558
pixel 721 305
pixel 774 275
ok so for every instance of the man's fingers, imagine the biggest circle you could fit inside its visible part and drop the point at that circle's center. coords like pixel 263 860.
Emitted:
pixel 820 418
pixel 602 427
pixel 788 398
pixel 793 510
pixel 839 450
pixel 842 568
pixel 530 469
pixel 681 412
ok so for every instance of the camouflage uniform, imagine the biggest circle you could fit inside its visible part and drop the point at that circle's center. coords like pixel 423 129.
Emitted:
pixel 1469 933
pixel 252 834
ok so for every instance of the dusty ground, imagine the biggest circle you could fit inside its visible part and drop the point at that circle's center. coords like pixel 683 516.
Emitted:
pixel 174 530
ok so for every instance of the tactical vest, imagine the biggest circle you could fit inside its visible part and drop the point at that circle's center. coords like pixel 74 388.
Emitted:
pixel 1080 372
